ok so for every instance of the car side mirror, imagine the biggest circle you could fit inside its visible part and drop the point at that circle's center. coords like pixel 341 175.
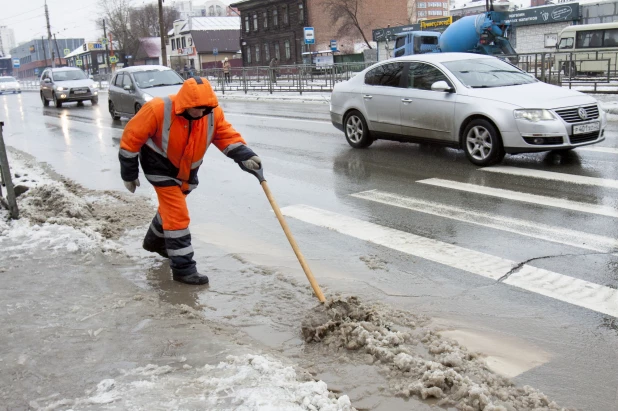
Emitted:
pixel 441 86
pixel 128 88
pixel 47 80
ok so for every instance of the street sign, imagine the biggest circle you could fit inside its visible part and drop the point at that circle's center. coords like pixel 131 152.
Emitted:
pixel 78 63
pixel 104 41
pixel 113 59
pixel 215 51
pixel 97 46
pixel 67 52
pixel 16 63
pixel 309 35
pixel 333 45
pixel 36 71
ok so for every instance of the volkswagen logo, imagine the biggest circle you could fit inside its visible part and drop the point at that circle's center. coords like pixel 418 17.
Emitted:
pixel 583 114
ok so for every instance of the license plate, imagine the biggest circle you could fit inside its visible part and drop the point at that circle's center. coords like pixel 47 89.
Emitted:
pixel 586 128
pixel 80 91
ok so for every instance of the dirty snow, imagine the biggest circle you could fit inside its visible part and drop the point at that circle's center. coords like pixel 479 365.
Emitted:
pixel 248 382
pixel 417 360
pixel 65 216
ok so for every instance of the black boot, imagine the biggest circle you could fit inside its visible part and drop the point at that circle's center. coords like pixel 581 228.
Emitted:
pixel 193 279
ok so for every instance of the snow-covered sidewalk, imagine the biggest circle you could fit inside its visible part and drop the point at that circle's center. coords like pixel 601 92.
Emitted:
pixel 78 334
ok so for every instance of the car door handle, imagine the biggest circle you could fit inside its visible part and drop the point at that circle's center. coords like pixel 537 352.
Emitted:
pixel 406 100
pixel 367 97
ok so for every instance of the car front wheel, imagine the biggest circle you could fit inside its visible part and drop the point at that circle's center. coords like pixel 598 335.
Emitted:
pixel 356 130
pixel 57 102
pixel 482 143
pixel 44 100
pixel 112 111
pixel 138 106
pixel 95 101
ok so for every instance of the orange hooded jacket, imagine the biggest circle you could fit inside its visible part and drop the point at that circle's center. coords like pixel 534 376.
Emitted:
pixel 171 148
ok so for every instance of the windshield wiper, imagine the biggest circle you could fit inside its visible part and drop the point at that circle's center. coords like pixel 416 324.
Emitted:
pixel 165 84
pixel 483 86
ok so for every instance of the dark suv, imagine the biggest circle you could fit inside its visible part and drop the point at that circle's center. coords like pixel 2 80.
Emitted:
pixel 65 84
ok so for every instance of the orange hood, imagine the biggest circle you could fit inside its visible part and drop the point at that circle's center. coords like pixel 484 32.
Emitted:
pixel 193 95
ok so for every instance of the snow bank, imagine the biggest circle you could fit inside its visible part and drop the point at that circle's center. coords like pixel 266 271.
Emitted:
pixel 64 216
pixel 249 382
pixel 419 362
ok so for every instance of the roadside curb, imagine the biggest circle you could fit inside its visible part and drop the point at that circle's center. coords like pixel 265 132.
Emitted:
pixel 273 98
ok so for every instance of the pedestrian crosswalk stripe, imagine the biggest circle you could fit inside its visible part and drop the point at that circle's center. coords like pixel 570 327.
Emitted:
pixel 524 197
pixel 561 287
pixel 608 150
pixel 550 175
pixel 527 228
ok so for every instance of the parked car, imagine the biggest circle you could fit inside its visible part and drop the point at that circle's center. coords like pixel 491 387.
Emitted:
pixel 477 103
pixel 132 87
pixel 9 85
pixel 67 84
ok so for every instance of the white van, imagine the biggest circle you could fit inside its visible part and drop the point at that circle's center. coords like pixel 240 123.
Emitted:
pixel 587 48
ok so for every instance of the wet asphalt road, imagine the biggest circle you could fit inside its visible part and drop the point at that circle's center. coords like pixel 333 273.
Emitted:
pixel 569 352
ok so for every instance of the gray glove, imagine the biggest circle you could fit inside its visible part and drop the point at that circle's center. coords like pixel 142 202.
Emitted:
pixel 132 185
pixel 254 163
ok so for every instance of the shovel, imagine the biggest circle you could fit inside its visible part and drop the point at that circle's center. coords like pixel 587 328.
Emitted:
pixel 301 259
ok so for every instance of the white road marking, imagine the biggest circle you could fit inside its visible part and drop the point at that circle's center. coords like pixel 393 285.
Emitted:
pixel 271 118
pixel 550 175
pixel 608 150
pixel 524 197
pixel 527 228
pixel 561 287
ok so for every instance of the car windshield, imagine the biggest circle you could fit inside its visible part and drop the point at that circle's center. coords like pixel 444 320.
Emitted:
pixel 156 78
pixel 7 80
pixel 489 72
pixel 68 75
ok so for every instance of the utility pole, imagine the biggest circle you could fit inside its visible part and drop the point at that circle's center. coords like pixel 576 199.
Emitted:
pixel 43 47
pixel 57 49
pixel 49 36
pixel 108 68
pixel 162 33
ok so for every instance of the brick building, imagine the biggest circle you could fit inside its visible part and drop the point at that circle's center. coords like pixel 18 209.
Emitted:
pixel 272 28
pixel 373 14
pixel 428 10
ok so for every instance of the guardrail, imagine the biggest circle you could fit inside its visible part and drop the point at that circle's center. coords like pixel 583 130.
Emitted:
pixel 10 202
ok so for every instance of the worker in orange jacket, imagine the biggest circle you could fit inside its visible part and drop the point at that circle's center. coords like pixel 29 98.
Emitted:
pixel 169 137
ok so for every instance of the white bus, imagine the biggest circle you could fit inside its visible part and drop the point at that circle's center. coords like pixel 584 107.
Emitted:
pixel 587 48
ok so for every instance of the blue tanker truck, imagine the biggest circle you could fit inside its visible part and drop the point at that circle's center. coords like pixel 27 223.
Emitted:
pixel 484 33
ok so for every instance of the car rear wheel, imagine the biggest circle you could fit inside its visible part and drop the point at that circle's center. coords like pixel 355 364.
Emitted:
pixel 44 100
pixel 57 102
pixel 112 111
pixel 138 106
pixel 482 143
pixel 356 130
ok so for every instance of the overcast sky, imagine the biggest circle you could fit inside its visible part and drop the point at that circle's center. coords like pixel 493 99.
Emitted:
pixel 68 18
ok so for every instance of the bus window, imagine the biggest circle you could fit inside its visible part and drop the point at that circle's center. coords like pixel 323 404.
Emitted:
pixel 566 43
pixel 611 38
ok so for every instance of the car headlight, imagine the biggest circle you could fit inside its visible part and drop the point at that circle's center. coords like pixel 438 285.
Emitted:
pixel 95 85
pixel 61 88
pixel 147 97
pixel 534 115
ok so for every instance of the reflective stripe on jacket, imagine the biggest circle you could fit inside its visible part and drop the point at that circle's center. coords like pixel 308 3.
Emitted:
pixel 170 147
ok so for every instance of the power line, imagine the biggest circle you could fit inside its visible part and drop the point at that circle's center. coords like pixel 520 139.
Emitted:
pixel 21 14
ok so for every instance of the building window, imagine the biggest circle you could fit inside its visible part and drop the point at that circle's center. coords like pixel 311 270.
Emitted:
pixel 247 28
pixel 184 42
pixel 422 5
pixel 255 22
pixel 301 13
pixel 173 44
pixel 275 18
pixel 248 54
pixel 277 54
pixel 287 49
pixel 257 53
pixel 284 12
pixel 211 11
pixel 265 20
pixel 219 11
pixel 266 53
pixel 422 14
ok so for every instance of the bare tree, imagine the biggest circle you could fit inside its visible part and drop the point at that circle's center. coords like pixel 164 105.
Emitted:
pixel 347 14
pixel 144 20
pixel 117 14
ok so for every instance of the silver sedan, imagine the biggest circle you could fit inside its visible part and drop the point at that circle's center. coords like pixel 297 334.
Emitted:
pixel 473 102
